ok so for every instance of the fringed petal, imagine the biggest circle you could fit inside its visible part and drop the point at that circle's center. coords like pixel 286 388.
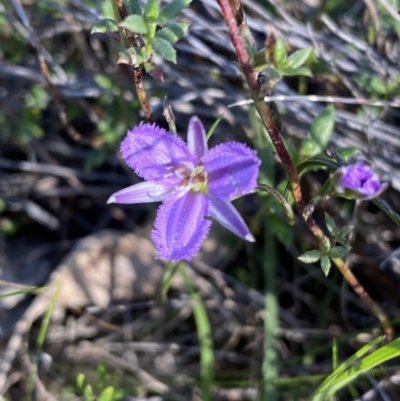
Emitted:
pixel 154 153
pixel 232 170
pixel 181 227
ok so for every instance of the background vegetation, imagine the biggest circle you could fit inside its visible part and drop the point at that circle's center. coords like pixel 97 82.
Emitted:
pixel 210 335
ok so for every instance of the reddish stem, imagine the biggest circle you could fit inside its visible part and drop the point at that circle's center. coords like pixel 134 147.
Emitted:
pixel 130 41
pixel 269 121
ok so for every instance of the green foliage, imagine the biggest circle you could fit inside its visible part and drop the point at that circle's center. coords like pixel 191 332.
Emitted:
pixel 338 235
pixel 104 25
pixel 152 10
pixel 143 22
pixel 327 249
pixel 294 64
pixel 172 10
pixel 320 133
pixel 310 256
pixel 280 52
pixel 27 126
pixel 132 56
pixel 134 7
pixel 325 264
pixel 298 58
pixel 204 333
pixel 173 32
pixel 106 393
pixel 8 227
pixel 135 23
pixel 164 49
pixel 355 366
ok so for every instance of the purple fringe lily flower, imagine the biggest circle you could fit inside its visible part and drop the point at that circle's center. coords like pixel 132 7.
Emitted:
pixel 358 181
pixel 191 181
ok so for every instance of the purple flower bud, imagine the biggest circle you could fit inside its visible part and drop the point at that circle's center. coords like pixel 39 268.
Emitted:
pixel 358 181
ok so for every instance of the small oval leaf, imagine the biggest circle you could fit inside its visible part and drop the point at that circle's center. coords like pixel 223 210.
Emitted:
pixel 338 252
pixel 152 9
pixel 291 72
pixel 325 265
pixel 107 394
pixel 135 23
pixel 330 224
pixel 172 33
pixel 164 49
pixel 134 7
pixel 280 52
pixel 172 10
pixel 104 26
pixel 310 256
pixel 299 57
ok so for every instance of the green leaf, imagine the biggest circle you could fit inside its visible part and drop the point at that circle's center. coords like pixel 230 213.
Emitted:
pixel 338 252
pixel 134 7
pixel 343 241
pixel 351 369
pixel 322 127
pixel 310 256
pixel 330 224
pixel 152 9
pixel 164 49
pixel 281 230
pixel 299 57
pixel 291 72
pixel 172 10
pixel 107 394
pixel 132 56
pixel 378 86
pixel 88 393
pixel 135 23
pixel 348 152
pixel 213 127
pixel 27 291
pixel 309 148
pixel 280 52
pixel 81 382
pixel 104 25
pixel 383 205
pixel 325 265
pixel 172 33
pixel 345 231
pixel 320 133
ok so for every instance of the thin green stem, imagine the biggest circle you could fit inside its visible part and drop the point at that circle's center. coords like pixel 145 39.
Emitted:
pixel 204 334
pixel 270 366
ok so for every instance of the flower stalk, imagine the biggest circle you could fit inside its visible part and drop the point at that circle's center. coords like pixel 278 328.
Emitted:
pixel 267 117
pixel 128 39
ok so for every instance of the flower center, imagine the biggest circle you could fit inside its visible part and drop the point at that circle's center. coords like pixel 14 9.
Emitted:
pixel 196 178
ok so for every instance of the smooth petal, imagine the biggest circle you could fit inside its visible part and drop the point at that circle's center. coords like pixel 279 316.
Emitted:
pixel 358 181
pixel 154 152
pixel 232 169
pixel 224 212
pixel 197 141
pixel 143 192
pixel 180 226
